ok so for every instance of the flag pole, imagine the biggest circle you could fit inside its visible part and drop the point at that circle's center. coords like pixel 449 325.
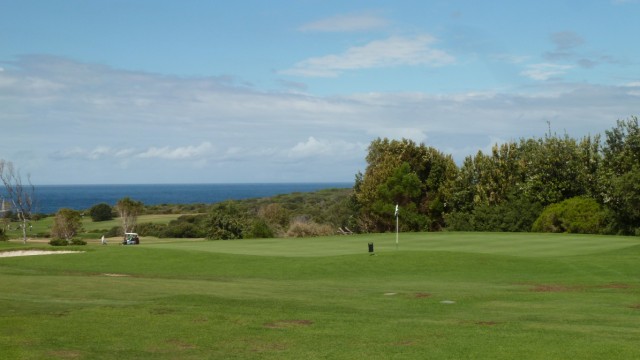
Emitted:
pixel 397 228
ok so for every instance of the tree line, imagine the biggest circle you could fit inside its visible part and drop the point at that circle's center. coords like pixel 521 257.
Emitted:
pixel 552 184
pixel 555 183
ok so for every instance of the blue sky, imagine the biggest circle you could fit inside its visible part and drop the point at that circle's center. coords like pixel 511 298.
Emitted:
pixel 159 91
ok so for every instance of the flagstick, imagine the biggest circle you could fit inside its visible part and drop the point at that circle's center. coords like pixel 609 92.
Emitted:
pixel 396 232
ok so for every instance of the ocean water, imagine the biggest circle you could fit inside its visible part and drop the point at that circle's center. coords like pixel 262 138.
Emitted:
pixel 50 198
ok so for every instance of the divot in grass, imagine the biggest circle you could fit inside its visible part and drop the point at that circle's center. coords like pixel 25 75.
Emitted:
pixel 284 324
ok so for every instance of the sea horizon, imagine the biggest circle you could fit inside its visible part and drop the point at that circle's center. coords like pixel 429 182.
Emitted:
pixel 51 198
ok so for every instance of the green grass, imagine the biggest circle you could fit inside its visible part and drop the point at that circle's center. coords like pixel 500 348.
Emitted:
pixel 91 229
pixel 531 296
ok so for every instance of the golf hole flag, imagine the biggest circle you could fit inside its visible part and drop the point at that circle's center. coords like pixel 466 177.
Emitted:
pixel 397 227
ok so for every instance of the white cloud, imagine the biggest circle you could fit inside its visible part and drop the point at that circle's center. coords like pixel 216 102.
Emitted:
pixel 260 136
pixel 178 153
pixel 545 71
pixel 347 23
pixel 313 147
pixel 391 52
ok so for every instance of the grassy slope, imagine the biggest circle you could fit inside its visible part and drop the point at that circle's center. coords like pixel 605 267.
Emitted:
pixel 516 296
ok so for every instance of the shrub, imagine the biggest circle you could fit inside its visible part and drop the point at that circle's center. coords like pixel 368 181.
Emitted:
pixel 149 229
pixel 101 212
pixel 3 236
pixel 308 228
pixel 58 242
pixel 515 214
pixel 77 241
pixel 225 222
pixel 114 232
pixel 578 215
pixel 259 229
pixel 184 230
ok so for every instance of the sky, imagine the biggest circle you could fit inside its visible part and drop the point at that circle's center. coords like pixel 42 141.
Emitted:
pixel 247 91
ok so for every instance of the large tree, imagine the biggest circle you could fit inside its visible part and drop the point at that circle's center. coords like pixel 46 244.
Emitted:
pixel 66 224
pixel 416 177
pixel 128 210
pixel 20 195
pixel 620 175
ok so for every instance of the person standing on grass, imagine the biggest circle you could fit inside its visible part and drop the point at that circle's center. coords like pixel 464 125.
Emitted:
pixel 103 241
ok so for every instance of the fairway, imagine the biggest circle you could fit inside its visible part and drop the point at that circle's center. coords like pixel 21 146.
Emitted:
pixel 435 296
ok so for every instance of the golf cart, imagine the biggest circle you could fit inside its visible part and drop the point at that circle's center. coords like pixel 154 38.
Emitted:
pixel 131 239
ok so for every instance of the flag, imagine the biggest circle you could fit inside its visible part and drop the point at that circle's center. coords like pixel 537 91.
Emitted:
pixel 396 210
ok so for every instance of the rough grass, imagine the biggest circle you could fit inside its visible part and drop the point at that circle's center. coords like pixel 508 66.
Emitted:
pixel 439 296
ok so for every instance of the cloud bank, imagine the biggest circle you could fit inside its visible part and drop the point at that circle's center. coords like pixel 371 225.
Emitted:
pixel 106 122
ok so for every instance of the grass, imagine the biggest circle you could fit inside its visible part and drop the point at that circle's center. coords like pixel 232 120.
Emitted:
pixel 91 229
pixel 533 296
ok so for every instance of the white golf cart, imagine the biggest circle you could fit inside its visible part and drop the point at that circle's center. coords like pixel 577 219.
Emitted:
pixel 131 239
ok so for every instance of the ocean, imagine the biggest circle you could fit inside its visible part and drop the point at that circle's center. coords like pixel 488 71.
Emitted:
pixel 50 198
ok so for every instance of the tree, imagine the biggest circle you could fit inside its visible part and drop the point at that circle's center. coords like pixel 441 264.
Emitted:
pixel 128 210
pixel 21 196
pixel 620 175
pixel 624 201
pixel 66 224
pixel 225 222
pixel 416 177
pixel 101 212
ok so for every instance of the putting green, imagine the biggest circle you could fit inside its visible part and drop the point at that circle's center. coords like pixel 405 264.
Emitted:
pixel 525 245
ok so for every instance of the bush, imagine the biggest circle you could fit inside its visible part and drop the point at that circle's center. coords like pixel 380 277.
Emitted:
pixel 259 229
pixel 101 212
pixel 64 242
pixel 516 214
pixel 78 242
pixel 308 228
pixel 3 236
pixel 58 242
pixel 578 215
pixel 149 229
pixel 114 232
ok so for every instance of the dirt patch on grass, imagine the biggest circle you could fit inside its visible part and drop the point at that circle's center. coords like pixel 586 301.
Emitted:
pixel 553 288
pixel 283 324
pixel 486 323
pixel 635 306
pixel 65 354
pixel 421 295
pixel 161 311
pixel 405 343
pixel 616 286
pixel 116 275
pixel 566 288
pixel 181 345
pixel 268 347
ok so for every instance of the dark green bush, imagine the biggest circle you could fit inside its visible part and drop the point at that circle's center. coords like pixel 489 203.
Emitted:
pixel 149 229
pixel 114 231
pixel 101 212
pixel 177 229
pixel 58 242
pixel 516 214
pixel 259 229
pixel 580 215
pixel 76 241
